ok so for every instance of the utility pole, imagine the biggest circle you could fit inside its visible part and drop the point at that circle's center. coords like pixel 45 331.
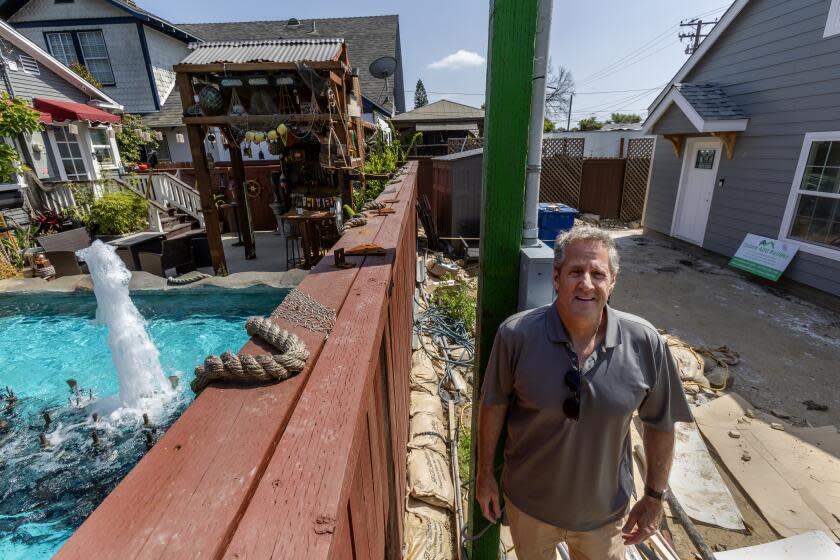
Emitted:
pixel 569 116
pixel 696 34
pixel 510 65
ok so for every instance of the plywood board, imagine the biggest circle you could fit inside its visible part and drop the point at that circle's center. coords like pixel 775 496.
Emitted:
pixel 697 484
pixel 813 545
pixel 792 475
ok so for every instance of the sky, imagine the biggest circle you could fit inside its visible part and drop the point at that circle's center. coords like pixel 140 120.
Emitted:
pixel 620 54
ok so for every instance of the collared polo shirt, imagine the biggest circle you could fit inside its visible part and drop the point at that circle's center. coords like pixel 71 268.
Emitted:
pixel 578 475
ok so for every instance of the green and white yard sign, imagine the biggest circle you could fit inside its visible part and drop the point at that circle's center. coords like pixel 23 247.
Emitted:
pixel 764 257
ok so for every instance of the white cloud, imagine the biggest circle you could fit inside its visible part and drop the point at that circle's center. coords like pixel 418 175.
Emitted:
pixel 457 60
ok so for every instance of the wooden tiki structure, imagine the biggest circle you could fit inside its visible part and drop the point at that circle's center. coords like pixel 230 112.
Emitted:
pixel 320 144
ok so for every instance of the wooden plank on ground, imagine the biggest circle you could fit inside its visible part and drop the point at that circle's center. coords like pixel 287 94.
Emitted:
pixel 308 482
pixel 792 482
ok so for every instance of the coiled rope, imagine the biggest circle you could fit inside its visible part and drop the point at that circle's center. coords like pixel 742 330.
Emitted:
pixel 372 205
pixel 355 221
pixel 244 368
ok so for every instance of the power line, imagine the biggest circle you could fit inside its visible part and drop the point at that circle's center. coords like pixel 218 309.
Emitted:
pixel 696 34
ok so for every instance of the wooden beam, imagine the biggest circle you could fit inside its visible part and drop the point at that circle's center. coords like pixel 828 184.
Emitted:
pixel 677 140
pixel 510 63
pixel 229 68
pixel 203 182
pixel 357 121
pixel 224 120
pixel 243 208
pixel 728 139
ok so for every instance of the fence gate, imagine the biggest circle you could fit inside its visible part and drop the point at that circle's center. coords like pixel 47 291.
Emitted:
pixel 562 165
pixel 639 152
pixel 600 186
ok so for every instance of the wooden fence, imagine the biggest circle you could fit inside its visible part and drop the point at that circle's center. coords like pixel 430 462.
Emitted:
pixel 313 467
pixel 636 174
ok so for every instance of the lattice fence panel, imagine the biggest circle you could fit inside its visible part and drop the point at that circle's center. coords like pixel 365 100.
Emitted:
pixel 639 152
pixel 455 145
pixel 562 165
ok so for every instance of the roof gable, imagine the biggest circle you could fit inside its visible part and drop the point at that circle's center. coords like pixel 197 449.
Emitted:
pixel 10 34
pixel 11 7
pixel 441 110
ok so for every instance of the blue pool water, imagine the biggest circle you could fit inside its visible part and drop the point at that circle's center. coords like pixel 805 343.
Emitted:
pixel 45 494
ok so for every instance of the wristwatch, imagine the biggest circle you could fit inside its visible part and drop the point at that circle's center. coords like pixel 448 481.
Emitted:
pixel 650 492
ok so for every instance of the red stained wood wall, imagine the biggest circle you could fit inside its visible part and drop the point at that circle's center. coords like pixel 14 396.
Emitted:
pixel 310 468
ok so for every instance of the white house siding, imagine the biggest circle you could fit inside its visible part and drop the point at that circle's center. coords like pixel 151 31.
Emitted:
pixel 775 64
pixel 125 51
pixel 164 53
pixel 37 10
pixel 46 84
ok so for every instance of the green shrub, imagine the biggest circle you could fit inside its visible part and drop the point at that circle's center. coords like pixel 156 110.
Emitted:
pixel 118 213
pixel 458 302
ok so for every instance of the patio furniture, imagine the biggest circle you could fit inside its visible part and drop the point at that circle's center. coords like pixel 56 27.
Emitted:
pixel 130 246
pixel 58 246
pixel 175 253
pixel 309 234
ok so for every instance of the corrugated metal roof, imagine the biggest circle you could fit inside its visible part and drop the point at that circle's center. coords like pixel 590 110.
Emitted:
pixel 242 52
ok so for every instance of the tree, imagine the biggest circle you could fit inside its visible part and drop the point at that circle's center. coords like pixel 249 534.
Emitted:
pixel 132 137
pixel 420 97
pixel 625 118
pixel 85 74
pixel 548 126
pixel 559 87
pixel 16 118
pixel 590 124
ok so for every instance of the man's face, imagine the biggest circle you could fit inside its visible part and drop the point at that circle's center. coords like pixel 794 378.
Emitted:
pixel 584 282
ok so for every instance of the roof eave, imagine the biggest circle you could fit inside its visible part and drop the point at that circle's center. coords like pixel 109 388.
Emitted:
pixel 728 17
pixel 675 97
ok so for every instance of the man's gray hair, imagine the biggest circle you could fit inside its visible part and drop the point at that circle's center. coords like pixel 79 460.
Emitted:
pixel 585 233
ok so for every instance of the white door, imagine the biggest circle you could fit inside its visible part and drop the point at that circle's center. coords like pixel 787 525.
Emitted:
pixel 697 184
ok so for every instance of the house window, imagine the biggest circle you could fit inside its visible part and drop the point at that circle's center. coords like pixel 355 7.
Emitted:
pixel 87 47
pixel 705 159
pixel 813 212
pixel 162 149
pixel 70 154
pixel 102 147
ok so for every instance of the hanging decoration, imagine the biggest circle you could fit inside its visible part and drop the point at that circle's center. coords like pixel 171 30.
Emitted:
pixel 210 100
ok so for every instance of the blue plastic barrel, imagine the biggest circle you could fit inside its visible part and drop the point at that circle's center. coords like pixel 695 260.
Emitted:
pixel 552 219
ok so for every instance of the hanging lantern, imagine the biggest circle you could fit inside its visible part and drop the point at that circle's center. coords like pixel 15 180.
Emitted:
pixel 249 136
pixel 259 137
pixel 282 133
pixel 271 135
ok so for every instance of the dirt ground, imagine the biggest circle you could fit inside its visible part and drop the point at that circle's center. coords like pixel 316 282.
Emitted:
pixel 789 348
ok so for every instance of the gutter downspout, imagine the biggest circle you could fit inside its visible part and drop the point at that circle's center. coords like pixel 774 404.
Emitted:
pixel 530 229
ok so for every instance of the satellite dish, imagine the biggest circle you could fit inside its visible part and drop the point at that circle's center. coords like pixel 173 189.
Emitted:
pixel 383 67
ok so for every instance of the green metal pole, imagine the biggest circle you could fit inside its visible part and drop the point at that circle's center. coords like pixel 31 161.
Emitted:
pixel 510 65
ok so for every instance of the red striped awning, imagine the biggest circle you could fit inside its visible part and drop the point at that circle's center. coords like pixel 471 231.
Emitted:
pixel 45 118
pixel 60 111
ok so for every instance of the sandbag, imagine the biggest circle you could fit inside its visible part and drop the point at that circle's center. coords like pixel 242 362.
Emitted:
pixel 428 532
pixel 689 364
pixel 426 431
pixel 429 479
pixel 423 376
pixel 420 401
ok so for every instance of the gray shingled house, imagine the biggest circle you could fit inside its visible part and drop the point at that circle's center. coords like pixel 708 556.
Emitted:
pixel 748 137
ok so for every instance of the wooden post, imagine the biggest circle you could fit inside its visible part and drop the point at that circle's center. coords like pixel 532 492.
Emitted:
pixel 360 127
pixel 243 209
pixel 202 182
pixel 513 28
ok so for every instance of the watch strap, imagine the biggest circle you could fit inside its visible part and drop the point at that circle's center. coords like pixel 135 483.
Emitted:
pixel 650 492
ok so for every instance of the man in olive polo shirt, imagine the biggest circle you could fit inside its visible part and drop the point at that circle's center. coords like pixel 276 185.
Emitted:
pixel 568 377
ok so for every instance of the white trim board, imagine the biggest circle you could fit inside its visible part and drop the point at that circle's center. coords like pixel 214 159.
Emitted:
pixel 727 18
pixel 790 207
pixel 675 97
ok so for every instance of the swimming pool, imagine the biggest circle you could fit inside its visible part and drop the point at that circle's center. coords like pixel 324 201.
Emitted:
pixel 46 339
